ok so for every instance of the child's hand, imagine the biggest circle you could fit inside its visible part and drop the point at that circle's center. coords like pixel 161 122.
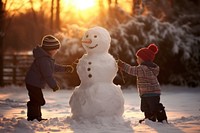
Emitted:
pixel 56 88
pixel 120 63
pixel 69 68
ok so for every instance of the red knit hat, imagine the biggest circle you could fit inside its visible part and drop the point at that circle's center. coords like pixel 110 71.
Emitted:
pixel 147 54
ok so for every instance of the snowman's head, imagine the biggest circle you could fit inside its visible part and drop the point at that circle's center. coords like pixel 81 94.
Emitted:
pixel 96 40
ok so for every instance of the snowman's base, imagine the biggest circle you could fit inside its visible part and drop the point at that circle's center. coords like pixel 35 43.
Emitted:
pixel 99 100
pixel 101 120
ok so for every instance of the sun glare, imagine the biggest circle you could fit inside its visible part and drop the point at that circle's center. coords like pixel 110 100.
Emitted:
pixel 81 4
pixel 80 11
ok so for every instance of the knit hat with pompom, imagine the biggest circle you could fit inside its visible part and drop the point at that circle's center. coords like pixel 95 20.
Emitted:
pixel 147 54
pixel 49 42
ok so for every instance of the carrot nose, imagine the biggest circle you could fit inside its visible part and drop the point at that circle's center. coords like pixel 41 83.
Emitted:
pixel 87 41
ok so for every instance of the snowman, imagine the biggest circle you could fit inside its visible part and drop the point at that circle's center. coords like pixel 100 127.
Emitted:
pixel 97 95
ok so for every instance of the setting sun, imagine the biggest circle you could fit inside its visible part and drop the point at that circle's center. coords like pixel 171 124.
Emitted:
pixel 80 4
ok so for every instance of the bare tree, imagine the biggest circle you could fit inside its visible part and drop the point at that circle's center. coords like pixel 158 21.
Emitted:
pixel 41 11
pixel 136 7
pixel 110 2
pixel 116 2
pixel 33 11
pixel 58 15
pixel 2 12
pixel 52 15
pixel 55 22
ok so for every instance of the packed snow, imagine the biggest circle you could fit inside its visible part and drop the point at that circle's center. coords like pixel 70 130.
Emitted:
pixel 97 95
pixel 182 107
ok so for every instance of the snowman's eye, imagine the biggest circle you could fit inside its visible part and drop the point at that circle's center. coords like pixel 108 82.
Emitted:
pixel 95 36
pixel 87 36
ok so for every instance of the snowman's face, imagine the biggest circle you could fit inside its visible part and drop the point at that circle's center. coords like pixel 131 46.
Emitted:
pixel 96 40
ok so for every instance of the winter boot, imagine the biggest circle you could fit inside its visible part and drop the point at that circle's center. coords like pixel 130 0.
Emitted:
pixel 147 115
pixel 39 118
pixel 161 113
pixel 34 112
pixel 152 118
pixel 31 112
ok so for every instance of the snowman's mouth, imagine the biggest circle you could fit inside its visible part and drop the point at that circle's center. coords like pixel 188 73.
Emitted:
pixel 92 47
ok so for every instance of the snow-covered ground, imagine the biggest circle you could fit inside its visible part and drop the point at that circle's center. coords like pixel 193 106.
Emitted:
pixel 182 106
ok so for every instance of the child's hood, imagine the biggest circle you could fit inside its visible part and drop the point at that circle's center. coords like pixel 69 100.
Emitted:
pixel 149 64
pixel 38 52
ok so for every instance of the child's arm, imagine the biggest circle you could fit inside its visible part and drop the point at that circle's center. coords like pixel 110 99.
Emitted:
pixel 132 70
pixel 46 70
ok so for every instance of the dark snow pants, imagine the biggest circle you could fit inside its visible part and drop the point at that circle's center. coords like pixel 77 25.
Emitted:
pixel 149 105
pixel 35 103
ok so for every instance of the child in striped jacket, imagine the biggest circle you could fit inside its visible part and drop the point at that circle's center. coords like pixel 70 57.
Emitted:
pixel 147 83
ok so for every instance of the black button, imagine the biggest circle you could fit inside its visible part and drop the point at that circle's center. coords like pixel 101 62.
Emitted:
pixel 89 69
pixel 89 63
pixel 90 75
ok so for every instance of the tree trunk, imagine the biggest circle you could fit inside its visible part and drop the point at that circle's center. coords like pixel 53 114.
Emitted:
pixel 42 18
pixel 109 6
pixel 136 7
pixel 58 15
pixel 2 19
pixel 34 13
pixel 52 15
pixel 116 2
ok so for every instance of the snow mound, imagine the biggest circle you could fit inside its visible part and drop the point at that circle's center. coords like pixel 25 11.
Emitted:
pixel 113 124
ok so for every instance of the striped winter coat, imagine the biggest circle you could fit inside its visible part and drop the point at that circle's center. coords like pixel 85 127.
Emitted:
pixel 146 73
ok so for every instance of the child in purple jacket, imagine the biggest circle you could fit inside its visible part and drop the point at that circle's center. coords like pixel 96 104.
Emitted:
pixel 147 82
pixel 40 73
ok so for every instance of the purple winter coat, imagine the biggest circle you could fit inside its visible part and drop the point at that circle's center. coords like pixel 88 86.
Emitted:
pixel 42 69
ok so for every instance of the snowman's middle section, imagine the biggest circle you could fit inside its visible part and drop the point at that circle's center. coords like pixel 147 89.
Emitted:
pixel 98 68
